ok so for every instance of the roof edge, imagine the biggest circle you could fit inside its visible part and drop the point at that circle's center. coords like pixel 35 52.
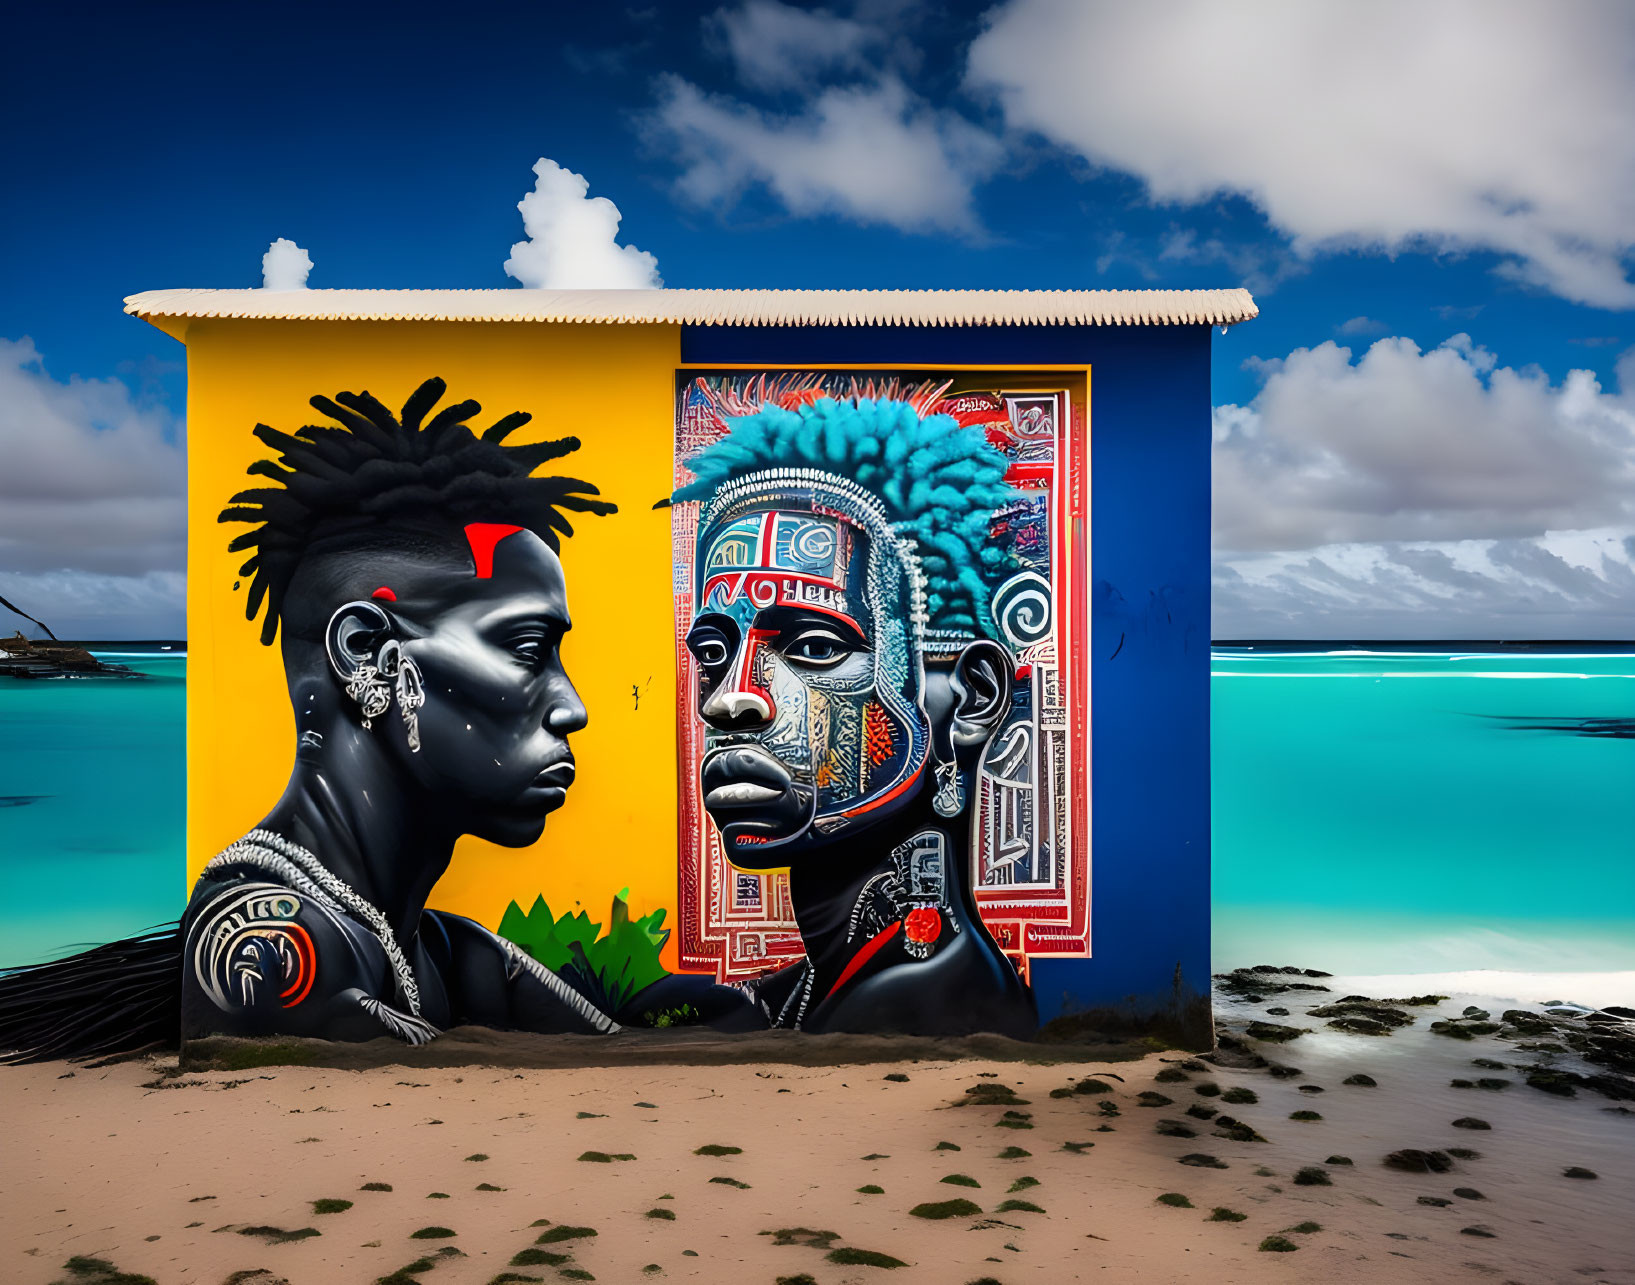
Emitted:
pixel 710 307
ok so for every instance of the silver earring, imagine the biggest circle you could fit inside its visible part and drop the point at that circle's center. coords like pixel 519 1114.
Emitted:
pixel 368 689
pixel 411 695
pixel 949 800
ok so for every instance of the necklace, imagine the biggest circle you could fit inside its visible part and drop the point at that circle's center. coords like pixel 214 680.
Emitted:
pixel 293 863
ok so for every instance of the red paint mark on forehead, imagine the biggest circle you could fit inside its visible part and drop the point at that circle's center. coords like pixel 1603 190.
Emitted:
pixel 482 537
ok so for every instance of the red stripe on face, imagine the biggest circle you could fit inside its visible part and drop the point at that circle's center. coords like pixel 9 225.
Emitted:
pixel 482 537
pixel 863 956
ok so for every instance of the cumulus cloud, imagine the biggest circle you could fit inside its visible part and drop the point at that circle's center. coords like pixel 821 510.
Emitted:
pixel 1499 125
pixel 285 266
pixel 872 152
pixel 777 47
pixel 573 239
pixel 1413 494
pixel 91 498
pixel 1404 444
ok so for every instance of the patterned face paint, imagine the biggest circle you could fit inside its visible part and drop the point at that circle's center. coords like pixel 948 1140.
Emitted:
pixel 809 677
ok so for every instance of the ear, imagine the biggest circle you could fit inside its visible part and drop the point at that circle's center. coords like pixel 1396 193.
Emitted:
pixel 981 681
pixel 354 637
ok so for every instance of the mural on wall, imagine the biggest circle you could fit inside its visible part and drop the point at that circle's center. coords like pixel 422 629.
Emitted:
pixel 873 702
pixel 408 568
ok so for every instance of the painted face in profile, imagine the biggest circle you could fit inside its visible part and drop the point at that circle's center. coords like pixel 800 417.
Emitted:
pixel 808 681
pixel 499 705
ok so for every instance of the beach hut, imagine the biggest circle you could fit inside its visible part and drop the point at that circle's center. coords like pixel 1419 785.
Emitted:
pixel 889 624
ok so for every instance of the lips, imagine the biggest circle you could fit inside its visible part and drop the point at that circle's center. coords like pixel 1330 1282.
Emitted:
pixel 742 776
pixel 559 776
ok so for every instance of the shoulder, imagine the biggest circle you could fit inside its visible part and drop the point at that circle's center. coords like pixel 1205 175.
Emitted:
pixel 957 992
pixel 251 943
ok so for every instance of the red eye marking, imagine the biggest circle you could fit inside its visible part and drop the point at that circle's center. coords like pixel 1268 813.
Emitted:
pixel 482 537
pixel 384 594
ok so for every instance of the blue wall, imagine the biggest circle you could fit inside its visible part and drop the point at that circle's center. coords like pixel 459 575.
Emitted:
pixel 1149 523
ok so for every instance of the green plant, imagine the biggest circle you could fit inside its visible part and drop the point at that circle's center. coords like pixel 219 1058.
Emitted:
pixel 665 1215
pixel 1221 1214
pixel 563 1232
pixel 871 1189
pixel 613 966
pixel 1018 1206
pixel 864 1258
pixel 329 1205
pixel 956 1208
pixel 432 1233
pixel 1278 1245
pixel 716 1149
pixel 538 1258
pixel 1175 1200
pixel 961 1180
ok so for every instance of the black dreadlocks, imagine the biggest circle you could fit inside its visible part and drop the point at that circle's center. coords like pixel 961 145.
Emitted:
pixel 379 470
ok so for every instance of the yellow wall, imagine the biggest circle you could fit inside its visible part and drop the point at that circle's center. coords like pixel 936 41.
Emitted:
pixel 613 387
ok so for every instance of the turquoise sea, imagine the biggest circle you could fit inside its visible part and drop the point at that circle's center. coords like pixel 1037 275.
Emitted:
pixel 1376 811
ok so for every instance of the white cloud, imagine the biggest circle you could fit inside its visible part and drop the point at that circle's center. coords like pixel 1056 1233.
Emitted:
pixel 1361 326
pixel 874 152
pixel 777 47
pixel 92 516
pixel 1500 125
pixel 285 266
pixel 1403 445
pixel 573 239
pixel 1439 494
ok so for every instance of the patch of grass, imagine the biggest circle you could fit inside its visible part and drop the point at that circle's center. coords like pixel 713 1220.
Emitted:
pixel 716 1149
pixel 991 1095
pixel 1174 1129
pixel 1221 1214
pixel 506 1278
pixel 1312 1176
pixel 1023 1183
pixel 575 1274
pixel 897 1077
pixel 1171 1075
pixel 1077 1148
pixel 804 1278
pixel 961 1180
pixel 376 1186
pixel 808 1236
pixel 939 1209
pixel 561 1232
pixel 1150 1099
pixel 880 1155
pixel 1306 1228
pixel 605 1158
pixel 578 1115
pixel 663 1215
pixel 244 1057
pixel 731 1182
pixel 1277 1245
pixel 1175 1200
pixel 488 1186
pixel 99 1271
pixel 1092 1085
pixel 476 1155
pixel 1018 1206
pixel 538 1258
pixel 433 1233
pixel 946 1146
pixel 437 1195
pixel 406 1274
pixel 1237 1095
pixel 1304 1115
pixel 330 1205
pixel 871 1189
pixel 278 1235
pixel 1014 1153
pixel 863 1258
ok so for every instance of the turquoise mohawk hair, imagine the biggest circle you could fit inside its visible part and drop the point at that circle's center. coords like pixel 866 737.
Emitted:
pixel 939 481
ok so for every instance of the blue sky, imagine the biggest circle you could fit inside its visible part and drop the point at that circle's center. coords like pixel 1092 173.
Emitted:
pixel 1446 191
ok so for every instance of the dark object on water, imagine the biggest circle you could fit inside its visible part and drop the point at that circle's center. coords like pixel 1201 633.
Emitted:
pixel 1577 1171
pixel 1361 1081
pixel 20 658
pixel 111 1000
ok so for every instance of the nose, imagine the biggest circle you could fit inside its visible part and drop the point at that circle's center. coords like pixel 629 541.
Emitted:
pixel 739 703
pixel 567 712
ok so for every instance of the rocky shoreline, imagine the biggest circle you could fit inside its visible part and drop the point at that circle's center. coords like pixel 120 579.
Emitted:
pixel 25 658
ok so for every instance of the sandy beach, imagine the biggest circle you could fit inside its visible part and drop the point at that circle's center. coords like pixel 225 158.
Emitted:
pixel 689 1173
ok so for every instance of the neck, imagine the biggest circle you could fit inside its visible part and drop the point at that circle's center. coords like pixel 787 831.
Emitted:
pixel 350 806
pixel 824 894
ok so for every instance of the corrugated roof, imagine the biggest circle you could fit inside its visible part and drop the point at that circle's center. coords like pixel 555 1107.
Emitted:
pixel 716 307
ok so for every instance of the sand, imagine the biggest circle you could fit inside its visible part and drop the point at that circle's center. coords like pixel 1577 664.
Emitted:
pixel 157 1174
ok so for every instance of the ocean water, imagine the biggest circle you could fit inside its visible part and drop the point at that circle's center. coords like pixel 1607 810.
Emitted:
pixel 1389 811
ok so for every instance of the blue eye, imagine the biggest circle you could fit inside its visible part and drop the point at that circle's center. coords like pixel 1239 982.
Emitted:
pixel 818 648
